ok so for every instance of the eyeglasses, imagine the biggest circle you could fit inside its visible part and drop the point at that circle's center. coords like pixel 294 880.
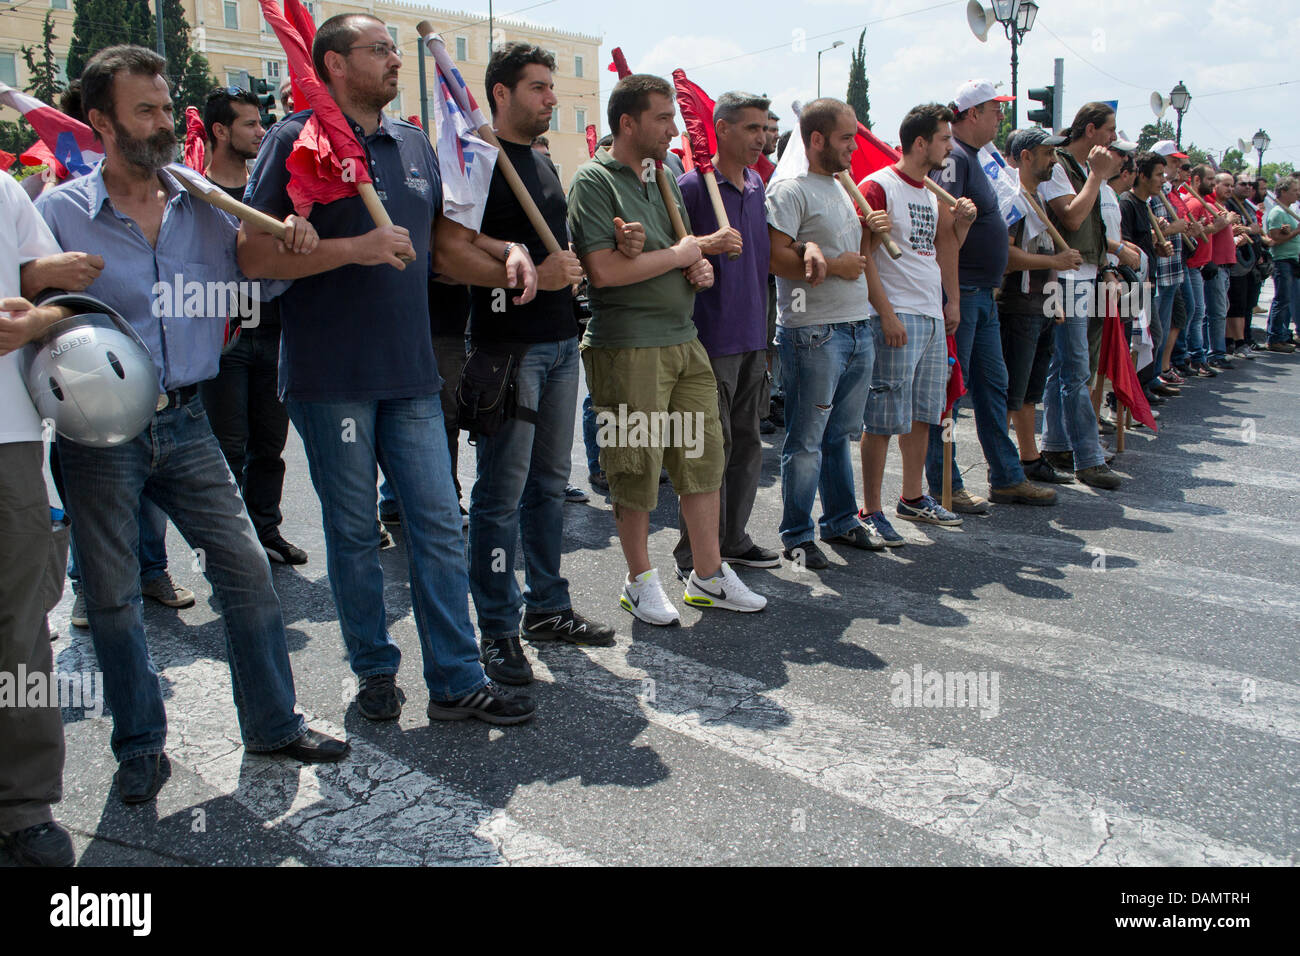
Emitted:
pixel 381 50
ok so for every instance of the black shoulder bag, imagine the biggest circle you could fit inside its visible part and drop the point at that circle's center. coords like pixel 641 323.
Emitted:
pixel 485 397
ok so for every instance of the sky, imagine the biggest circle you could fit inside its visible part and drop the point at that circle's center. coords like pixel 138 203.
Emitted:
pixel 1238 58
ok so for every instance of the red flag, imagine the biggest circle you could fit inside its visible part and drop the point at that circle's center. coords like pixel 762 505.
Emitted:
pixel 592 139
pixel 415 121
pixel 195 139
pixel 765 168
pixel 1116 364
pixel 300 18
pixel 67 145
pixel 619 65
pixel 872 154
pixel 38 154
pixel 6 160
pixel 697 117
pixel 686 153
pixel 326 163
pixel 956 384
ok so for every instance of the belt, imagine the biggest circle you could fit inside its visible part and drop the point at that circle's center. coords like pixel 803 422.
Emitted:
pixel 176 397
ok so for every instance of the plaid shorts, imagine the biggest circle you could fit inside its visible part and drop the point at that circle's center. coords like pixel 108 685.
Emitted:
pixel 908 384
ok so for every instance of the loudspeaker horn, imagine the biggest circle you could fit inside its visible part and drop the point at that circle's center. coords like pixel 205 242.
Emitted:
pixel 1159 105
pixel 980 18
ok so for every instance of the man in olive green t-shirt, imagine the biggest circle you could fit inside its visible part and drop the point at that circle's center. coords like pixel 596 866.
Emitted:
pixel 1284 230
pixel 651 383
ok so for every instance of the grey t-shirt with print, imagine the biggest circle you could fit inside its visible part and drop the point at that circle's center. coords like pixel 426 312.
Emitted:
pixel 813 207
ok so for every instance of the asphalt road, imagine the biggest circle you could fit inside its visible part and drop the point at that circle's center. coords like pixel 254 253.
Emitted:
pixel 1133 653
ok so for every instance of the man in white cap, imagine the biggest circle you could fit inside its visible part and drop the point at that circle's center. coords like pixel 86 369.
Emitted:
pixel 970 275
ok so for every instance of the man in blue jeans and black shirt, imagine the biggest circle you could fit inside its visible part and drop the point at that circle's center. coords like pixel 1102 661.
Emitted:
pixel 358 374
pixel 524 467
pixel 970 275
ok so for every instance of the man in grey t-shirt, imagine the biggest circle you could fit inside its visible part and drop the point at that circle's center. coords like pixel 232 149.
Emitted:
pixel 826 347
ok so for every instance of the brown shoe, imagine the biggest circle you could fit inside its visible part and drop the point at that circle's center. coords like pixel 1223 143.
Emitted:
pixel 1025 493
pixel 1281 347
pixel 965 503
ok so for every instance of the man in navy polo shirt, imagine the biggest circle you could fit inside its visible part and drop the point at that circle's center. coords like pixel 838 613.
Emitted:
pixel 731 317
pixel 970 274
pixel 358 374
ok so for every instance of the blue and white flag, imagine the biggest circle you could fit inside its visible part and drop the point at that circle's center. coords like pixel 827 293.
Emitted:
pixel 465 160
pixel 1006 185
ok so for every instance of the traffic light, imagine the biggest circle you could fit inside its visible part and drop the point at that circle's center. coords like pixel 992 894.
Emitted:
pixel 1046 116
pixel 265 102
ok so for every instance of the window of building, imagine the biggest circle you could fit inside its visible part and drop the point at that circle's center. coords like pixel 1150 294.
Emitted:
pixel 9 68
pixel 272 71
pixel 580 120
pixel 462 48
pixel 230 9
pixel 392 32
pixel 559 171
pixel 237 78
pixel 395 107
pixel 555 120
pixel 58 4
pixel 577 66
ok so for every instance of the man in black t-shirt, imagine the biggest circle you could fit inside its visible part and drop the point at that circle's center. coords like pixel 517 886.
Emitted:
pixel 242 403
pixel 524 467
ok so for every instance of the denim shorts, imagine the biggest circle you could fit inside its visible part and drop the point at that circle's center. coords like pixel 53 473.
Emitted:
pixel 909 383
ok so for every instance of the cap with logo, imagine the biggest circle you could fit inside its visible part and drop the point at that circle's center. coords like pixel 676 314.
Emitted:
pixel 974 92
pixel 1028 138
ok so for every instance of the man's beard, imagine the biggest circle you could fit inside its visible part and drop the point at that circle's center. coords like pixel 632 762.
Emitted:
pixel 376 99
pixel 1044 175
pixel 830 159
pixel 151 153
pixel 529 124
pixel 243 154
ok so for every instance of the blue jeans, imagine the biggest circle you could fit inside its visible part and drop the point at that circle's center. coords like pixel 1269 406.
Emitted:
pixel 1194 291
pixel 589 436
pixel 984 369
pixel 153 545
pixel 345 441
pixel 178 463
pixel 826 372
pixel 1285 310
pixel 1070 422
pixel 1216 314
pixel 519 494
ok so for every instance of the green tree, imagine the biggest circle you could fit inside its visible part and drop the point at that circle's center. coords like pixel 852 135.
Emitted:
pixel 1196 155
pixel 857 93
pixel 101 23
pixel 1233 161
pixel 1004 130
pixel 1152 133
pixel 44 81
pixel 1272 171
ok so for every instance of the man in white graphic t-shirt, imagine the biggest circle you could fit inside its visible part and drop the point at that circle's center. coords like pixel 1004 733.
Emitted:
pixel 909 381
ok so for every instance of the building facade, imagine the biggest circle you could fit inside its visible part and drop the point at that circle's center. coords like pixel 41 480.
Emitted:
pixel 241 47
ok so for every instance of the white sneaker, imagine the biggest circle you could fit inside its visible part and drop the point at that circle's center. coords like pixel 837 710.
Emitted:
pixel 723 590
pixel 644 598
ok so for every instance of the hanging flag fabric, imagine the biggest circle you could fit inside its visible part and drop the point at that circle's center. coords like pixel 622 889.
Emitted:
pixel 70 142
pixel 872 154
pixel 1115 364
pixel 697 116
pixel 956 383
pixel 327 162
pixel 794 161
pixel 195 139
pixel 1006 184
pixel 592 140
pixel 7 159
pixel 619 65
pixel 300 18
pixel 464 158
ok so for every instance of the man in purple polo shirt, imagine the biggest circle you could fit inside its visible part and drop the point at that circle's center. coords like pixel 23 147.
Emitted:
pixel 731 317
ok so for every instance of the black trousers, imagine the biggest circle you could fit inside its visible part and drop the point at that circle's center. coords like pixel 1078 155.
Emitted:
pixel 250 422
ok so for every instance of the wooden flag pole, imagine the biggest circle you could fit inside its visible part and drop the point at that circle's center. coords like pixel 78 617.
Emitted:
pixel 670 203
pixel 218 197
pixel 1057 239
pixel 715 196
pixel 864 207
pixel 948 425
pixel 486 133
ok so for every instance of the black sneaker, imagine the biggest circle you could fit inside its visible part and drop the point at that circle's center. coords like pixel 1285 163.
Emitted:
pixel 767 427
pixel 1221 364
pixel 503 660
pixel 1040 470
pixel 755 557
pixel 393 517
pixel 45 844
pixel 1099 476
pixel 280 551
pixel 567 625
pixel 806 555
pixel 489 703
pixel 140 778
pixel 1060 460
pixel 598 481
pixel 379 697
pixel 1204 371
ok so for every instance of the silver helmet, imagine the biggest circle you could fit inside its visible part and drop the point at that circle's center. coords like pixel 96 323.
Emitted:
pixel 91 374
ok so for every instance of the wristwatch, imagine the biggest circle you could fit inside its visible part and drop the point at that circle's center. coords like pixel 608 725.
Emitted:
pixel 506 252
pixel 800 248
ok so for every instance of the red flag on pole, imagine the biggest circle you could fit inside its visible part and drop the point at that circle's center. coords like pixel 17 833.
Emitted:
pixel 697 117
pixel 326 163
pixel 956 384
pixel 1116 364
pixel 7 159
pixel 299 16
pixel 764 167
pixel 195 139
pixel 592 139
pixel 872 154
pixel 619 65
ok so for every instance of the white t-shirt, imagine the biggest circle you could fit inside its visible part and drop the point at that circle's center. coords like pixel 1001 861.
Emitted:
pixel 24 236
pixel 1056 187
pixel 1111 219
pixel 912 283
pixel 813 207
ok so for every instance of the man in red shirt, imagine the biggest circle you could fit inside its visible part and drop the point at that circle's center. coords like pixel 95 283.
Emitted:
pixel 1210 257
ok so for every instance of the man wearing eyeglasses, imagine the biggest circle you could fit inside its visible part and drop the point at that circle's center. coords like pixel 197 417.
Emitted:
pixel 971 271
pixel 360 378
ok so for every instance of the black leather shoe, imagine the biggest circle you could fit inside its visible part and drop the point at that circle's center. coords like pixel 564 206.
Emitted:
pixel 46 844
pixel 315 747
pixel 140 778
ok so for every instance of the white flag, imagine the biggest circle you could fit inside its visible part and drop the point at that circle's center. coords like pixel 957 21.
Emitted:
pixel 465 160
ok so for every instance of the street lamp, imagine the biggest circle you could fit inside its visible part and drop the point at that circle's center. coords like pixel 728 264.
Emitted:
pixel 1017 19
pixel 1179 99
pixel 819 65
pixel 1260 141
